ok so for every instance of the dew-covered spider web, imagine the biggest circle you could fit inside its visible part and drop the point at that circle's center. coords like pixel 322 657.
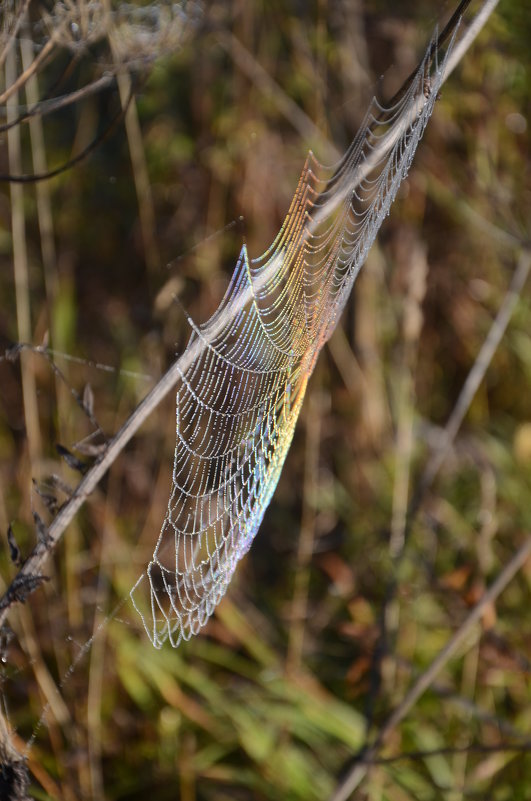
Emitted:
pixel 244 372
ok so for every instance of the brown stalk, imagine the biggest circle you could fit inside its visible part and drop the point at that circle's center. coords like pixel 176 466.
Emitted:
pixel 49 106
pixel 144 195
pixel 12 35
pixel 299 603
pixel 20 266
pixel 474 378
pixel 411 329
pixel 18 83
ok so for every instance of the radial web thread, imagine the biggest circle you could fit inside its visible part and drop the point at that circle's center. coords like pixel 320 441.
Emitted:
pixel 244 372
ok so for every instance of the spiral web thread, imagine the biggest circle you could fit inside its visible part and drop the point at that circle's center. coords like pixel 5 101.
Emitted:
pixel 245 372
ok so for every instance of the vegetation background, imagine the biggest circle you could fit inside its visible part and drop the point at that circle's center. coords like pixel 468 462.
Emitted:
pixel 332 615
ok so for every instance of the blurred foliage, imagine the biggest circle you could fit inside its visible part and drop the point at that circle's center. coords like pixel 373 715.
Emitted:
pixel 233 714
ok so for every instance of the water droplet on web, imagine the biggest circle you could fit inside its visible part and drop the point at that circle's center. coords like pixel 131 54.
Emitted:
pixel 245 371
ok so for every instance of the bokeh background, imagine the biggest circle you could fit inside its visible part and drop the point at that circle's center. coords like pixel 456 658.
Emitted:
pixel 331 616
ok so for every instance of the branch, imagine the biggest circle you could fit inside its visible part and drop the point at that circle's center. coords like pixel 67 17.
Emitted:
pixel 33 178
pixel 358 772
pixel 50 105
pixel 474 379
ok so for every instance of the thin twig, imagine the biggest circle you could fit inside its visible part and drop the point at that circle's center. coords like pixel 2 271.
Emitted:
pixel 30 178
pixel 50 105
pixel 471 748
pixel 296 116
pixel 411 326
pixel 358 772
pixel 459 207
pixel 21 17
pixel 469 36
pixel 299 604
pixel 34 66
pixel 146 207
pixel 475 377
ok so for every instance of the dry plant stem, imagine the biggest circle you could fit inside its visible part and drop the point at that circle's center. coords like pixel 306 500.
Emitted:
pixel 412 321
pixel 49 263
pixel 403 453
pixel 40 109
pixel 461 208
pixel 471 33
pixel 473 748
pixel 356 775
pixel 364 382
pixel 20 266
pixel 36 559
pixel 96 682
pixel 347 363
pixel 26 634
pixel 468 685
pixel 44 214
pixel 12 89
pixel 464 706
pixel 33 178
pixel 94 716
pixel 375 410
pixel 411 326
pixel 40 773
pixel 13 768
pixel 256 73
pixel 476 375
pixel 140 173
pixel 42 190
pixel 12 37
pixel 299 605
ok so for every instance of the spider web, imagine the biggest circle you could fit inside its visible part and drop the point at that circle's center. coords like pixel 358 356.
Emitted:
pixel 245 371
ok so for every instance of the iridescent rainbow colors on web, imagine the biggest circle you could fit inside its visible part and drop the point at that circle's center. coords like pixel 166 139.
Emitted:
pixel 248 367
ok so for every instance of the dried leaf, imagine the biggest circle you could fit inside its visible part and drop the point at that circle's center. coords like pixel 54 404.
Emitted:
pixel 71 460
pixel 14 550
pixel 42 531
pixel 20 588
